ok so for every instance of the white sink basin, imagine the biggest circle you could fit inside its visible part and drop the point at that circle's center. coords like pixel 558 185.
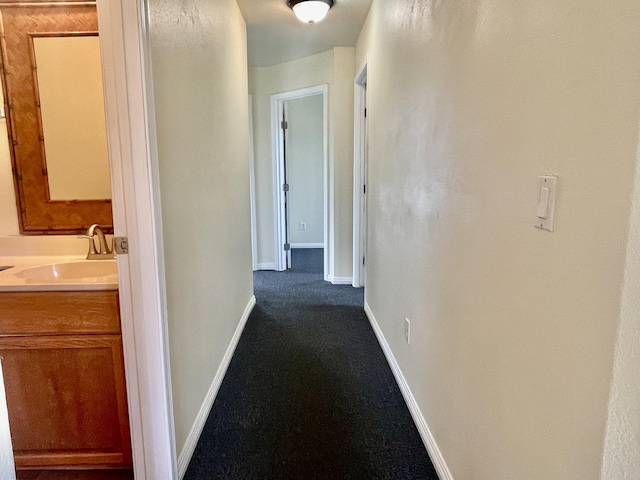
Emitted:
pixel 99 271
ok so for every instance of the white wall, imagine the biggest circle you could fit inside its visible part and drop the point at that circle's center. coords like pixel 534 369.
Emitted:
pixel 335 68
pixel 341 162
pixel 621 458
pixel 305 169
pixel 513 328
pixel 200 88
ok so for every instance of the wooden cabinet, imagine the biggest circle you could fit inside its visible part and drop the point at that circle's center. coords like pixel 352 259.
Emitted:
pixel 64 377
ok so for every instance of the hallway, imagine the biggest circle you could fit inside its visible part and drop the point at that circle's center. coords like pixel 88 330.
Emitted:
pixel 309 394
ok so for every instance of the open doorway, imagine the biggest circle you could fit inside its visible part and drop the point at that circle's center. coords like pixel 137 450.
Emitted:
pixel 299 129
pixel 53 97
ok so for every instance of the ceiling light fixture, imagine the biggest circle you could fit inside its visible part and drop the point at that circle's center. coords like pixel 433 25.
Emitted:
pixel 310 11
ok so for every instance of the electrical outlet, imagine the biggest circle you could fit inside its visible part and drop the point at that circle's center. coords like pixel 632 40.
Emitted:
pixel 303 226
pixel 407 330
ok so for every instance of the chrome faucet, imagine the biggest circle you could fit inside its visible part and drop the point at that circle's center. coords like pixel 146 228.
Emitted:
pixel 105 252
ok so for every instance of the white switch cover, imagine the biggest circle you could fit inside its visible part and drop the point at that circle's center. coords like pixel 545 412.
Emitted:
pixel 407 330
pixel 546 202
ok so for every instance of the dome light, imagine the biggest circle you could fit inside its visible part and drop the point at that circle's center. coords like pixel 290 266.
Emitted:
pixel 310 11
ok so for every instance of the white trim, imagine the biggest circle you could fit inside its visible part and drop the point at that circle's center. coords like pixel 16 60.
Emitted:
pixel 359 174
pixel 266 266
pixel 307 245
pixel 277 145
pixel 276 148
pixel 131 137
pixel 207 404
pixel 328 195
pixel 7 462
pixel 252 190
pixel 340 280
pixel 427 437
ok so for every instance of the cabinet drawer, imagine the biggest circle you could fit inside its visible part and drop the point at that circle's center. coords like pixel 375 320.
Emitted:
pixel 50 313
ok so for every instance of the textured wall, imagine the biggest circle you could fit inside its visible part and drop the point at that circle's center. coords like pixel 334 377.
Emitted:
pixel 621 459
pixel 200 87
pixel 341 144
pixel 513 328
pixel 305 168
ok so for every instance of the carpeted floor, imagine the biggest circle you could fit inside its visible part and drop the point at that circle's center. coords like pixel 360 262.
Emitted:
pixel 309 394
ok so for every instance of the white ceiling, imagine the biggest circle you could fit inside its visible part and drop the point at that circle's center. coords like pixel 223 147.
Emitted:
pixel 275 35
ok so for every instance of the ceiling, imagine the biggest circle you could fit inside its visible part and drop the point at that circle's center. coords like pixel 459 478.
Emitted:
pixel 275 35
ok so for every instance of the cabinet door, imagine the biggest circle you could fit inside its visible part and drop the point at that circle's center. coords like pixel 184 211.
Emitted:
pixel 66 398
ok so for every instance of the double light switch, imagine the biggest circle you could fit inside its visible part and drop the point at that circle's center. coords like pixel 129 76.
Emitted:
pixel 546 202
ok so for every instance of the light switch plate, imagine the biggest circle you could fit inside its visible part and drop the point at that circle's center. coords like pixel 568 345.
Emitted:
pixel 549 182
pixel 407 330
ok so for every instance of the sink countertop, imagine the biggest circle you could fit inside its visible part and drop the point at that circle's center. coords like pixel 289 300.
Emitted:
pixel 11 282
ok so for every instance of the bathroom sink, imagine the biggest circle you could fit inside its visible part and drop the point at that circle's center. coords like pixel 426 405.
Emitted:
pixel 81 272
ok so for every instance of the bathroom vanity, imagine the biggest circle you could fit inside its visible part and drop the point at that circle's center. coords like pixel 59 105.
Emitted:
pixel 61 349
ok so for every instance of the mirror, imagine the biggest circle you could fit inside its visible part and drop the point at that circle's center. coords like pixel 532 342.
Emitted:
pixel 72 110
pixel 52 81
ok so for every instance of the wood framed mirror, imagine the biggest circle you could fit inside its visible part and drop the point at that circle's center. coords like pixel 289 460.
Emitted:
pixel 52 85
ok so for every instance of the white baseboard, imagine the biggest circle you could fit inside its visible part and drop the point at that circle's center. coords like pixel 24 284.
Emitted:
pixel 196 430
pixel 307 245
pixel 427 437
pixel 340 280
pixel 266 266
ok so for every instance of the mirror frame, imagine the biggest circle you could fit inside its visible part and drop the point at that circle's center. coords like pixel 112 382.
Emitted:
pixel 37 213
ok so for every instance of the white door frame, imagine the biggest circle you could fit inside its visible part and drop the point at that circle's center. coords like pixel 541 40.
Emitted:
pixel 252 190
pixel 134 172
pixel 360 176
pixel 277 143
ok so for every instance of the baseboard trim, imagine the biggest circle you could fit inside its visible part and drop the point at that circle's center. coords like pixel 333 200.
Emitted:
pixel 307 245
pixel 427 437
pixel 196 430
pixel 340 280
pixel 266 266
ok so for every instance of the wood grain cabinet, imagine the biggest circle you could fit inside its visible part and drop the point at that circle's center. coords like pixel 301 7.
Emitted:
pixel 64 376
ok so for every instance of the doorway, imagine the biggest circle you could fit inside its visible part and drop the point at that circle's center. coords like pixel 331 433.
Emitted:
pixel 299 139
pixel 360 161
pixel 54 101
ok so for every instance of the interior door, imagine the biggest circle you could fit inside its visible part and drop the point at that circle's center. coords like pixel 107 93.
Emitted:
pixel 286 187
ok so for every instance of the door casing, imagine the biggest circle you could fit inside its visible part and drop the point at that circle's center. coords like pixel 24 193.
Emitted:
pixel 360 156
pixel 278 102
pixel 126 60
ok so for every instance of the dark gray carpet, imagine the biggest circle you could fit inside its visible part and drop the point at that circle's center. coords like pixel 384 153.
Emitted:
pixel 308 393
